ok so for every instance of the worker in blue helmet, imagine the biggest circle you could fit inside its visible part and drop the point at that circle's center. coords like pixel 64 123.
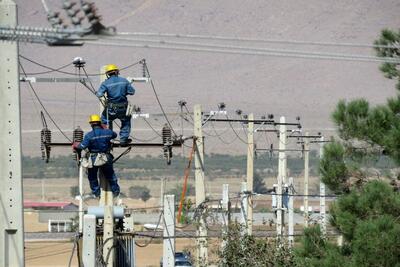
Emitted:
pixel 117 90
pixel 98 144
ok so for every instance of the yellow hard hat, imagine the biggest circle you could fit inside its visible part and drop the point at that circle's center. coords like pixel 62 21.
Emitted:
pixel 111 67
pixel 94 118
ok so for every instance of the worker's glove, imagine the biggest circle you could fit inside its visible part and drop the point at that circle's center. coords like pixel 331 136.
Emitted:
pixel 75 146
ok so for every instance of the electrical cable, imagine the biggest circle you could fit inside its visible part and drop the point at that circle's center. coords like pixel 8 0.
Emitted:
pixel 220 138
pixel 49 71
pixel 244 52
pixel 73 249
pixel 230 124
pixel 69 73
pixel 186 176
pixel 154 231
pixel 247 39
pixel 158 100
pixel 154 130
pixel 45 110
pixel 234 47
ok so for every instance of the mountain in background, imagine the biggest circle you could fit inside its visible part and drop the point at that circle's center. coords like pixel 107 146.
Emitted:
pixel 308 88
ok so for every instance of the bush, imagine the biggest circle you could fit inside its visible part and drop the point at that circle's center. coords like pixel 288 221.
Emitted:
pixel 139 192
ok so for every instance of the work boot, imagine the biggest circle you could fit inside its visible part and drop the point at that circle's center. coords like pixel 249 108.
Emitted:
pixel 125 142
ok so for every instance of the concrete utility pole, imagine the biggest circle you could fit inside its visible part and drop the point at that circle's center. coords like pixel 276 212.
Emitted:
pixel 169 231
pixel 281 176
pixel 202 251
pixel 224 212
pixel 306 175
pixel 322 205
pixel 291 213
pixel 250 173
pixel 80 198
pixel 107 201
pixel 89 241
pixel 243 208
pixel 162 192
pixel 11 193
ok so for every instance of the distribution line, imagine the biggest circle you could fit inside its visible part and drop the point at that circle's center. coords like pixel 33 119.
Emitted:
pixel 241 52
pixel 211 45
pixel 259 40
pixel 44 108
pixel 51 69
pixel 158 99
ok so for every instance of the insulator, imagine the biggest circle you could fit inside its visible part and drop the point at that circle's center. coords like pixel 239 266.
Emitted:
pixel 68 5
pixel 45 138
pixel 144 70
pixel 77 136
pixel 167 141
pixel 166 135
pixel 76 20
pixel 72 12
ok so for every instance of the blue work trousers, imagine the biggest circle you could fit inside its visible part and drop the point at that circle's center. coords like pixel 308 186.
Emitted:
pixel 110 176
pixel 118 113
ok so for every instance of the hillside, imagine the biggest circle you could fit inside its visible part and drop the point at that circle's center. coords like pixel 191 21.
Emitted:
pixel 260 84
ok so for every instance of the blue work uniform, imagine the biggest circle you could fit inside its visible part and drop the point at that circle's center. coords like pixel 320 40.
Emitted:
pixel 98 141
pixel 117 89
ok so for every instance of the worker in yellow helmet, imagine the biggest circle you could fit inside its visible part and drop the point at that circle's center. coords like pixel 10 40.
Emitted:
pixel 117 89
pixel 98 144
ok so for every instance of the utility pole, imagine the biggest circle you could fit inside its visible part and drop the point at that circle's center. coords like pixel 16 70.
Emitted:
pixel 202 251
pixel 80 198
pixel 291 212
pixel 281 176
pixel 169 231
pixel 322 193
pixel 250 173
pixel 106 200
pixel 163 180
pixel 224 212
pixel 11 193
pixel 306 175
pixel 243 207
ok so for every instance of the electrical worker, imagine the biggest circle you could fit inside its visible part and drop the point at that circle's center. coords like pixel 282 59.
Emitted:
pixel 98 143
pixel 117 89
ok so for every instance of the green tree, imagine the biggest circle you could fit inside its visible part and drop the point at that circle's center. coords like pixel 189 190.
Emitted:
pixel 177 190
pixel 74 191
pixel 259 184
pixel 367 212
pixel 245 250
pixel 139 192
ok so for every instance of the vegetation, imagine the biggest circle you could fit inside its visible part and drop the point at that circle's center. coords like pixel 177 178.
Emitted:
pixel 139 192
pixel 367 213
pixel 244 250
pixel 137 167
pixel 177 190
pixel 74 191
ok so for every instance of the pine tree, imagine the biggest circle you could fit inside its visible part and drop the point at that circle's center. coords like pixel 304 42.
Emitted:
pixel 367 213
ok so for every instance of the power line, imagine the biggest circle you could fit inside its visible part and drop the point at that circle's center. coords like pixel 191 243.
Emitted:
pixel 243 52
pixel 44 108
pixel 247 39
pixel 211 45
pixel 158 99
pixel 51 69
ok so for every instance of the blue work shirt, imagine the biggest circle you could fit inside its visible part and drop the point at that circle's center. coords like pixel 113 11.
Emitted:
pixel 117 88
pixel 98 140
